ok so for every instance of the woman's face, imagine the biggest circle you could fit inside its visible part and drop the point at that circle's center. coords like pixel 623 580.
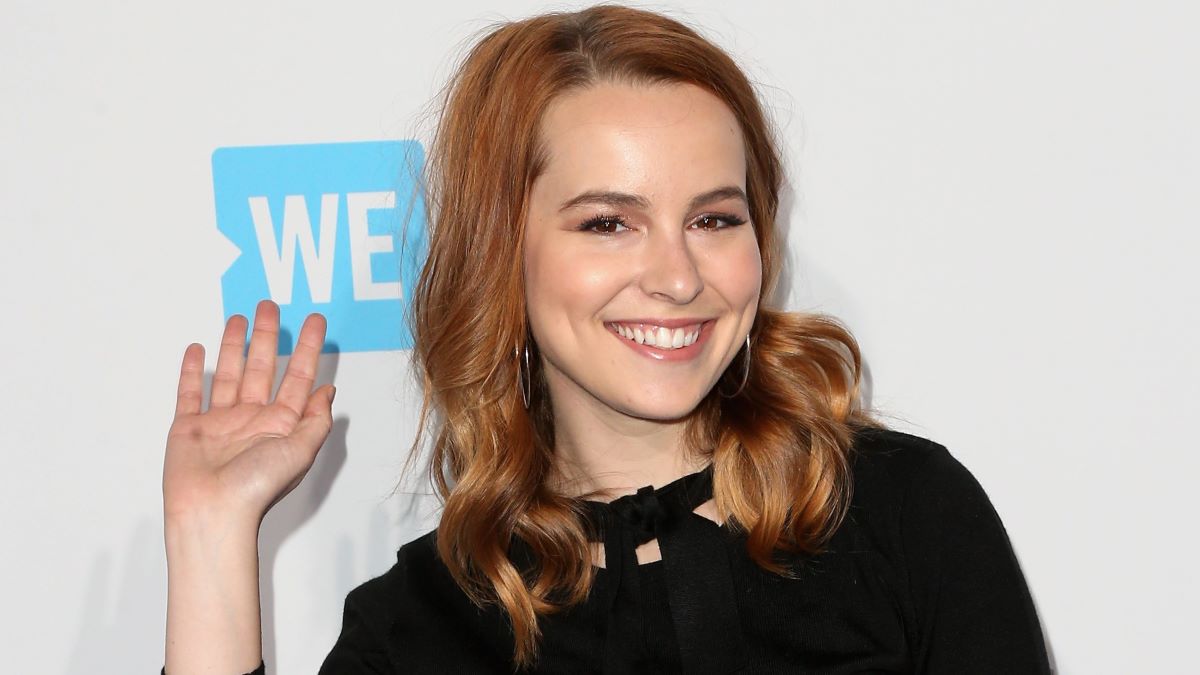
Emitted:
pixel 642 271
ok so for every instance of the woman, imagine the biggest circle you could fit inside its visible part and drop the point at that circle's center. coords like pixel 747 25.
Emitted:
pixel 644 468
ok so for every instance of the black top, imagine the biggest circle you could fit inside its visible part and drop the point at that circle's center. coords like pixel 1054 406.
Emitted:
pixel 919 578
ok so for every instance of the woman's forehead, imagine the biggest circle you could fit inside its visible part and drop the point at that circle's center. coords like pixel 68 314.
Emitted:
pixel 627 137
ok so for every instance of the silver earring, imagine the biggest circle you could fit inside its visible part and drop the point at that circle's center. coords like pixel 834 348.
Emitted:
pixel 745 372
pixel 524 379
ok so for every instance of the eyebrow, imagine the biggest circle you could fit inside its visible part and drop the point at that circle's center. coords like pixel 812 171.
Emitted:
pixel 625 199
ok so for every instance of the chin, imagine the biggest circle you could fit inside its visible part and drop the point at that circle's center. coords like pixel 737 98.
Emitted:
pixel 664 410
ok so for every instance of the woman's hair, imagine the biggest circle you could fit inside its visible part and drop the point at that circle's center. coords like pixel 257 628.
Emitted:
pixel 779 448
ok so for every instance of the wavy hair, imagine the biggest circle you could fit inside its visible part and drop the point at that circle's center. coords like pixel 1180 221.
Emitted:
pixel 779 449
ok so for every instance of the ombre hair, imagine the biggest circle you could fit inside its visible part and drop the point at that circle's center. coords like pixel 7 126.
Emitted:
pixel 779 448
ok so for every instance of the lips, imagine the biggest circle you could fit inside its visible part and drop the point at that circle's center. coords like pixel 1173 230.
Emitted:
pixel 664 340
pixel 657 335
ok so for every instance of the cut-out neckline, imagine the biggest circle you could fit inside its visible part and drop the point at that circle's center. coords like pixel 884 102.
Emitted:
pixel 694 571
pixel 597 547
pixel 630 522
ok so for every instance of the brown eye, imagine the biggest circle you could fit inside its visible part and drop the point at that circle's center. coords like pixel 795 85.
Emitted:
pixel 603 225
pixel 717 221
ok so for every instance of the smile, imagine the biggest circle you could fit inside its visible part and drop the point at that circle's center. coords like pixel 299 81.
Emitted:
pixel 659 336
pixel 670 340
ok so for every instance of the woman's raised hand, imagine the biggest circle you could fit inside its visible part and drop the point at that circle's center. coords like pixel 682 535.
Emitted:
pixel 225 467
pixel 243 454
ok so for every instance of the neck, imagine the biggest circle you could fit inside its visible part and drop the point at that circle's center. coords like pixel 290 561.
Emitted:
pixel 603 454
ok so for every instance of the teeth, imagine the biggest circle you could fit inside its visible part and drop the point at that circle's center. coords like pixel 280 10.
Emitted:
pixel 660 336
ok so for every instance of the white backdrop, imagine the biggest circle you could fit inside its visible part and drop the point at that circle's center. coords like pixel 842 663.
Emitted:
pixel 998 197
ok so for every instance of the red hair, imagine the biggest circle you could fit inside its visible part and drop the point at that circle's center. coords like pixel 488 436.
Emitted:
pixel 779 449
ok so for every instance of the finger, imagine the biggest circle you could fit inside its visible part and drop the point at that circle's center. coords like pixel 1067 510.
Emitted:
pixel 229 363
pixel 260 359
pixel 316 422
pixel 191 381
pixel 302 367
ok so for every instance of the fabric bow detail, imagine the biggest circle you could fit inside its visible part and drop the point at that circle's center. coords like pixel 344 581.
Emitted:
pixel 700 587
pixel 643 513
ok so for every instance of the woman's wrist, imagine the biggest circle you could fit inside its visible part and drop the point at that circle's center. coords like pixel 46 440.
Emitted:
pixel 212 593
pixel 205 529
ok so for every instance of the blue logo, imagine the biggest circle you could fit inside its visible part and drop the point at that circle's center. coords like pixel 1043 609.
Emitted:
pixel 335 228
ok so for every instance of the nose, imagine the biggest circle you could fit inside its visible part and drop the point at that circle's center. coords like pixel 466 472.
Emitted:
pixel 669 270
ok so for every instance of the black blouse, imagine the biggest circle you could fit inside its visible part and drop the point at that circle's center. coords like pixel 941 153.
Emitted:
pixel 919 578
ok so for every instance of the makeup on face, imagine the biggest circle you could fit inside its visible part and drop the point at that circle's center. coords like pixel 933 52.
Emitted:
pixel 642 269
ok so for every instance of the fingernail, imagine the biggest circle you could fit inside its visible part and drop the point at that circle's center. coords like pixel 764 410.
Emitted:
pixel 332 393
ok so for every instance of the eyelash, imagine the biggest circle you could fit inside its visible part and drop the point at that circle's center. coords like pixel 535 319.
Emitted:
pixel 729 219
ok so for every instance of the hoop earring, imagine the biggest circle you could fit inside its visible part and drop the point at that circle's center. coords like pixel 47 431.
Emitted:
pixel 745 373
pixel 524 378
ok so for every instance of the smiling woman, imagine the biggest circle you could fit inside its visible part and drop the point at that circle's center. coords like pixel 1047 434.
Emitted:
pixel 647 245
pixel 644 467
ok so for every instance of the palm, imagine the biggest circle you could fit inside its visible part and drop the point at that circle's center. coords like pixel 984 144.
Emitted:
pixel 246 451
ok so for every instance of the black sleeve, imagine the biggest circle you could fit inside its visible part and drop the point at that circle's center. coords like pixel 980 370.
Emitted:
pixel 361 647
pixel 260 670
pixel 975 613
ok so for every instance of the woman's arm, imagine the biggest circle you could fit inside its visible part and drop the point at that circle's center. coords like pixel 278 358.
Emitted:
pixel 224 469
pixel 212 595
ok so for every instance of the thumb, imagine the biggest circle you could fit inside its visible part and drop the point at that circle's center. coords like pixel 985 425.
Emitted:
pixel 317 419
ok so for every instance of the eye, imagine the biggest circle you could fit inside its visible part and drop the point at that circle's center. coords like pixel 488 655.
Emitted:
pixel 717 221
pixel 603 225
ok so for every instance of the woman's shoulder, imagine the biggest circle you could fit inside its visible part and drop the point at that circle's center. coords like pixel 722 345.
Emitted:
pixel 372 610
pixel 417 566
pixel 918 506
pixel 899 453
pixel 909 484
pixel 378 598
pixel 889 464
pixel 414 615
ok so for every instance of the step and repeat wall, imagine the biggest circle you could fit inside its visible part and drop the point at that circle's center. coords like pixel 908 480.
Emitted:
pixel 998 198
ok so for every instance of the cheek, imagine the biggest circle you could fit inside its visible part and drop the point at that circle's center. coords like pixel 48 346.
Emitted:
pixel 741 273
pixel 753 269
pixel 562 282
